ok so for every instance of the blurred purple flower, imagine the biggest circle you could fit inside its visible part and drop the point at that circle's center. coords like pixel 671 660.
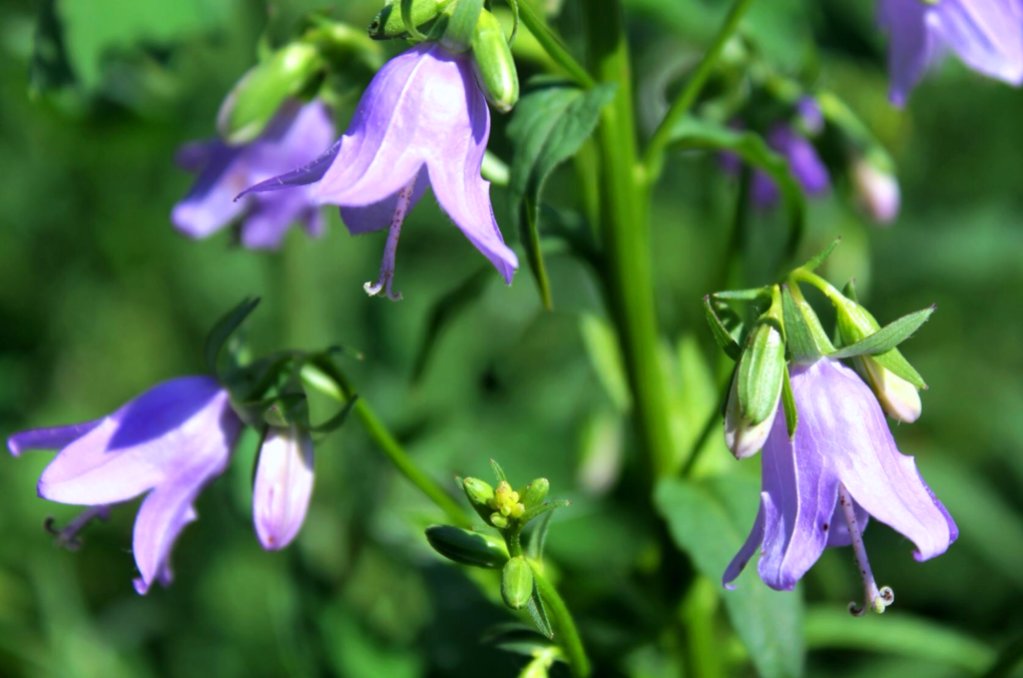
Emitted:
pixel 803 160
pixel 819 487
pixel 877 191
pixel 283 486
pixel 423 121
pixel 986 34
pixel 168 442
pixel 296 135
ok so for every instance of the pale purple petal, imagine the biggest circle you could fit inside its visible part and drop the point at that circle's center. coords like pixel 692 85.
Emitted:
pixel 48 438
pixel 879 478
pixel 910 45
pixel 986 34
pixel 303 176
pixel 210 205
pixel 283 487
pixel 162 516
pixel 142 444
pixel 751 545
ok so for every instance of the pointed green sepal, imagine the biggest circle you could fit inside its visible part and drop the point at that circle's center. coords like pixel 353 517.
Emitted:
pixel 721 335
pixel 223 329
pixel 804 336
pixel 819 258
pixel 466 547
pixel 535 492
pixel 789 405
pixel 880 340
pixel 462 18
pixel 480 495
pixel 389 22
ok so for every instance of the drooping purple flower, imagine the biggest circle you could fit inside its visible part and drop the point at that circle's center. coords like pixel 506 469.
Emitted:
pixel 877 191
pixel 423 121
pixel 803 160
pixel 296 135
pixel 986 34
pixel 167 443
pixel 819 487
pixel 283 486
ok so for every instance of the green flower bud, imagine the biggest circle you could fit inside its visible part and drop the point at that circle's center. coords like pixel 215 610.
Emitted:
pixel 535 492
pixel 899 398
pixel 493 63
pixel 498 521
pixel 254 100
pixel 506 501
pixel 516 583
pixel 480 495
pixel 466 547
pixel 389 24
pixel 756 387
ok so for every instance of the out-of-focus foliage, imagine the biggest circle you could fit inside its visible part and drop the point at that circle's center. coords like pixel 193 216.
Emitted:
pixel 100 298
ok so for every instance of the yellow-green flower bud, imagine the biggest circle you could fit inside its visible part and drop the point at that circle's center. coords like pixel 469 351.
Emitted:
pixel 535 492
pixel 480 495
pixel 254 100
pixel 516 583
pixel 389 24
pixel 899 398
pixel 506 501
pixel 466 547
pixel 493 63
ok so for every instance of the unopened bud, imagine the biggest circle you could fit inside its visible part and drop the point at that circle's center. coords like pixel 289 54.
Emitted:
pixel 506 501
pixel 466 547
pixel 282 487
pixel 899 398
pixel 516 583
pixel 535 492
pixel 756 390
pixel 480 495
pixel 493 63
pixel 877 191
pixel 253 101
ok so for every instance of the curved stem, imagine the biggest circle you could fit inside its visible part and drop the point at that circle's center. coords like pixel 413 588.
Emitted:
pixel 625 234
pixel 386 442
pixel 653 160
pixel 562 624
pixel 552 45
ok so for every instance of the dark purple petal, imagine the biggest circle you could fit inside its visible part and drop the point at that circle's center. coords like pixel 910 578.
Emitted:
pixel 803 160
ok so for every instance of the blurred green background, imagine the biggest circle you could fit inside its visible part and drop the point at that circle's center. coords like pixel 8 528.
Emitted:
pixel 100 298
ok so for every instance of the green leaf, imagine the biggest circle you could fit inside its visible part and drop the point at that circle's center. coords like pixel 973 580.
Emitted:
pixel 538 614
pixel 692 133
pixel 444 312
pixel 886 338
pixel 896 634
pixel 549 125
pixel 223 330
pixel 466 547
pixel 709 520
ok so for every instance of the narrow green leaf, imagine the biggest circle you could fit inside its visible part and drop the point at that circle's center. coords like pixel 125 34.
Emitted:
pixel 538 614
pixel 224 328
pixel 798 338
pixel 693 133
pixel 896 634
pixel 709 520
pixel 549 125
pixel 819 258
pixel 896 363
pixel 466 547
pixel 498 471
pixel 888 337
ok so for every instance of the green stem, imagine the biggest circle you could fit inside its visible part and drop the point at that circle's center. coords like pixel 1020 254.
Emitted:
pixel 387 443
pixel 625 234
pixel 654 157
pixel 537 25
pixel 562 624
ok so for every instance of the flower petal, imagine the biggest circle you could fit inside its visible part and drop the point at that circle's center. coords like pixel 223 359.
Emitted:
pixel 49 438
pixel 752 543
pixel 210 204
pixel 143 443
pixel 986 34
pixel 879 478
pixel 911 47
pixel 283 487
pixel 366 218
pixel 162 516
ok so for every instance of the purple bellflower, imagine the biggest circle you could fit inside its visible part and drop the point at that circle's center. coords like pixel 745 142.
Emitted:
pixel 804 163
pixel 820 487
pixel 167 443
pixel 423 121
pixel 987 35
pixel 283 486
pixel 295 136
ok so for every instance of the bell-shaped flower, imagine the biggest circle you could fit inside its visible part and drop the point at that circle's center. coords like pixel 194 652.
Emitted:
pixel 820 486
pixel 296 135
pixel 283 486
pixel 987 35
pixel 423 121
pixel 167 443
pixel 877 191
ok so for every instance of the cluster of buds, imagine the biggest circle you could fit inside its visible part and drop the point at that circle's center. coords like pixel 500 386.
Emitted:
pixel 508 511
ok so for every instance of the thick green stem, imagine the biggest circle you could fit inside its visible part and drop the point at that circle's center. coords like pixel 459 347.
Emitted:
pixel 552 45
pixel 387 443
pixel 625 235
pixel 565 632
pixel 653 160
